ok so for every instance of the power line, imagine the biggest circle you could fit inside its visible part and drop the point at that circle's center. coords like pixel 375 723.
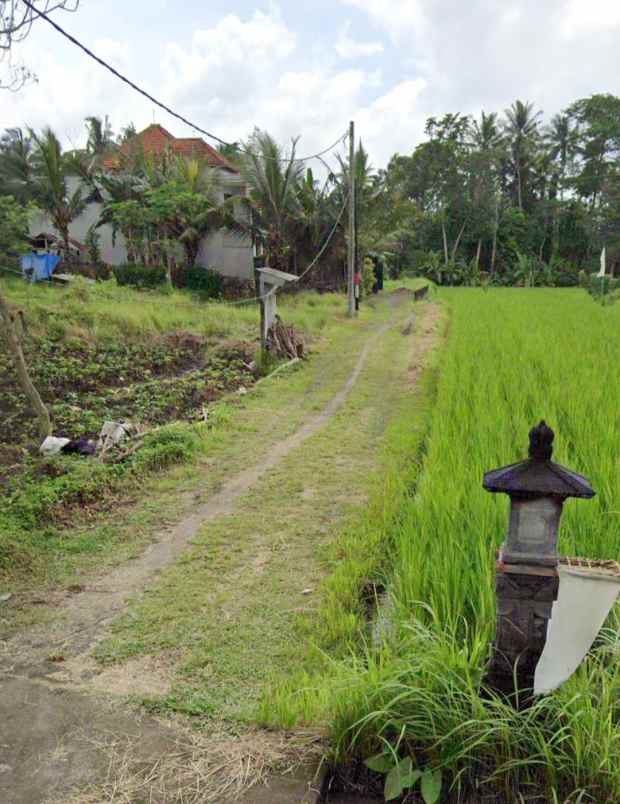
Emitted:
pixel 159 103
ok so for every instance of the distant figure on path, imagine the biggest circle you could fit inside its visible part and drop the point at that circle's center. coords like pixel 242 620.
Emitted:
pixel 357 287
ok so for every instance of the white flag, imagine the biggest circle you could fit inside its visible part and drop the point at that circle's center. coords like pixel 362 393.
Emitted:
pixel 602 271
pixel 585 599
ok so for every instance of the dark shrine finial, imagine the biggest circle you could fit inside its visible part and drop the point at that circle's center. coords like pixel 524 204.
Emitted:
pixel 541 442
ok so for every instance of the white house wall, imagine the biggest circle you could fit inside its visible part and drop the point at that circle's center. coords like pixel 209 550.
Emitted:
pixel 221 251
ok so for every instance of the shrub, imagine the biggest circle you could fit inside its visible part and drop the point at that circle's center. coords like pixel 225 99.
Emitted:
pixel 603 289
pixel 140 276
pixel 205 281
pixel 166 447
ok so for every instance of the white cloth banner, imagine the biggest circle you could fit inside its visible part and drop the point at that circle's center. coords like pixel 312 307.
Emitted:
pixel 585 598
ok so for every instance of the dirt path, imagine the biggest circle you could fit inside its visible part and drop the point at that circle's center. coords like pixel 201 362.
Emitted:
pixel 52 736
pixel 86 614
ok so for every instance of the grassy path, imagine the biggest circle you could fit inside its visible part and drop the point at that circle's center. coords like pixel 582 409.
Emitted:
pixel 206 626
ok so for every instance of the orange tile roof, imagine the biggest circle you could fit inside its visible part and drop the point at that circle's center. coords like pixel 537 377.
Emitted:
pixel 155 140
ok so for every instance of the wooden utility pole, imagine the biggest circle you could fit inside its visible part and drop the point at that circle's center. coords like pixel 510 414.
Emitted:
pixel 352 238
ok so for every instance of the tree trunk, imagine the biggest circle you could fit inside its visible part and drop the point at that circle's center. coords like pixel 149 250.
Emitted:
pixel 495 230
pixel 38 407
pixel 478 250
pixel 64 233
pixel 445 242
pixel 457 241
pixel 519 198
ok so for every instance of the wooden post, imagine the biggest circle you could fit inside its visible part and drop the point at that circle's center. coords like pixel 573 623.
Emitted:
pixel 269 282
pixel 26 384
pixel 261 303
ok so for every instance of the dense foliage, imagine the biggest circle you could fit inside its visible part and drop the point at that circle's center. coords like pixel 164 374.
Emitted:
pixel 13 226
pixel 509 199
pixel 139 276
pixel 503 199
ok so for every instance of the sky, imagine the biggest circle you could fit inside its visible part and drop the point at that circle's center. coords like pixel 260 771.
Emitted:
pixel 300 69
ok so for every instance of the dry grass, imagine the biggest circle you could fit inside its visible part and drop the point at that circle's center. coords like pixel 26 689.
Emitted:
pixel 198 769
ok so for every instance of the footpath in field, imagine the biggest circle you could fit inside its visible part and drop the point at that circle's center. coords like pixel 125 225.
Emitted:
pixel 205 616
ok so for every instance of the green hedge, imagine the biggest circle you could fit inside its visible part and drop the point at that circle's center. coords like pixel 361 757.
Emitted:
pixel 205 281
pixel 140 276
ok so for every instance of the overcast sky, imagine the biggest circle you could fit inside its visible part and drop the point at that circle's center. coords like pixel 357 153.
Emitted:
pixel 306 69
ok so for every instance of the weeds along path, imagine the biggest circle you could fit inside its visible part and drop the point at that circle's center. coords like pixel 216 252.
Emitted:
pixel 259 551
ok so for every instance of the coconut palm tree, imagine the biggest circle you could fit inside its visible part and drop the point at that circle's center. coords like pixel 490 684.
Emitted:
pixel 488 144
pixel 562 139
pixel 51 172
pixel 16 164
pixel 522 131
pixel 273 180
pixel 100 135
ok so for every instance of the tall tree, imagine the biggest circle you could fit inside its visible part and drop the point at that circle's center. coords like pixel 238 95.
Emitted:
pixel 16 169
pixel 51 172
pixel 272 178
pixel 598 118
pixel 522 131
pixel 488 151
pixel 100 137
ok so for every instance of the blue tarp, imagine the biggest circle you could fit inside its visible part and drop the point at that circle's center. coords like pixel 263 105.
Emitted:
pixel 36 267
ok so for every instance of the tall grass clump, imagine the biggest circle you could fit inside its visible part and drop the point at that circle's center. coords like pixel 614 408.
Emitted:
pixel 107 311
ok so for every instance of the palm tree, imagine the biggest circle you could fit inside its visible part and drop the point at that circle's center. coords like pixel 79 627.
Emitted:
pixel 488 143
pixel 16 164
pixel 100 136
pixel 318 212
pixel 562 139
pixel 368 187
pixel 273 179
pixel 51 171
pixel 522 130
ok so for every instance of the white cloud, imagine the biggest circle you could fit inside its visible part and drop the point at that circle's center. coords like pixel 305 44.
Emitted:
pixel 65 94
pixel 225 63
pixel 349 48
pixel 581 17
pixel 394 121
pixel 400 18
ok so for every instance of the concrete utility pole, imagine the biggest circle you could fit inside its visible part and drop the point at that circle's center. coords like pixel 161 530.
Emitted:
pixel 352 238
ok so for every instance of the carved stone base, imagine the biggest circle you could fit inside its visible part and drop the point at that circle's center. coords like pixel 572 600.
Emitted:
pixel 525 597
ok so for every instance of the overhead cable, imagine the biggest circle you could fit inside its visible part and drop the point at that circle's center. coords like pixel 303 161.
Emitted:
pixel 162 105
